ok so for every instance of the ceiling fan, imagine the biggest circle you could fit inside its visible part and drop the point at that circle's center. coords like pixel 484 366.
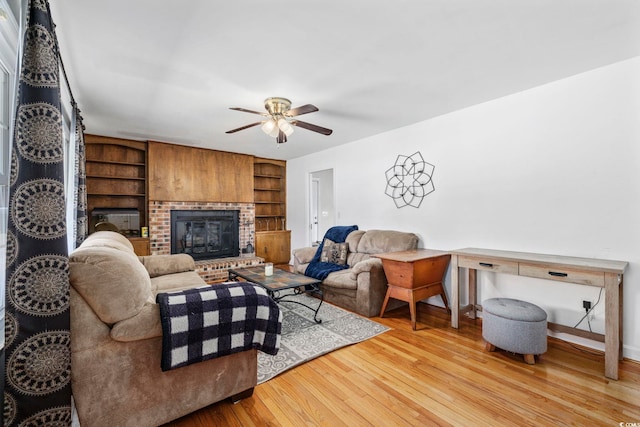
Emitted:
pixel 279 119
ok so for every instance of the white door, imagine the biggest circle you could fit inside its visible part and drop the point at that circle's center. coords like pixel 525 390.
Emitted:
pixel 322 212
pixel 313 210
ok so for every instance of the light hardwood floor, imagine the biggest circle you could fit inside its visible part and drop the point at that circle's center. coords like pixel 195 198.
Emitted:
pixel 436 375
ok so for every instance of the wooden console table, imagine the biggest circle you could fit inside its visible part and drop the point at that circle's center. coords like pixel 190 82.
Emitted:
pixel 413 276
pixel 605 274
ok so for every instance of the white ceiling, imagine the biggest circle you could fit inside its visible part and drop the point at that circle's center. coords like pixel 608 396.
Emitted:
pixel 169 71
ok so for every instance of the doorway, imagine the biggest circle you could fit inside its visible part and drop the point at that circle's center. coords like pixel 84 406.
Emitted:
pixel 315 194
pixel 321 205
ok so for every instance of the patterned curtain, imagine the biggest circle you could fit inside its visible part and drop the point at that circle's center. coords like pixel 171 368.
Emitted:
pixel 38 362
pixel 80 184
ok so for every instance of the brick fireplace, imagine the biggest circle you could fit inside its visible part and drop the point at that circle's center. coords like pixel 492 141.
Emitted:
pixel 210 270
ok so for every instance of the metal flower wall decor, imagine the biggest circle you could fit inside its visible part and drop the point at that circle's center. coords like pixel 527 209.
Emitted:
pixel 409 180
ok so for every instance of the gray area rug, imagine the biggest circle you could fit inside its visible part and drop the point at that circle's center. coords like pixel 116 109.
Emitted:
pixel 303 339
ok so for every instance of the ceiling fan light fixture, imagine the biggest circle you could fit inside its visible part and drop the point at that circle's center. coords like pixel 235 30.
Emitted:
pixel 269 127
pixel 278 122
pixel 274 133
pixel 285 126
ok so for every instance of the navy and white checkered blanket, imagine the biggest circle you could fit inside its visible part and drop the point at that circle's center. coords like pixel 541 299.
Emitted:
pixel 212 321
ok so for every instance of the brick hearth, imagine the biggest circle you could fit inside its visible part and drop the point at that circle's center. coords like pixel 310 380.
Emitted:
pixel 214 270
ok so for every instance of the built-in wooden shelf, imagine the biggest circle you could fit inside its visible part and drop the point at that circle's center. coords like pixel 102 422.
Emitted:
pixel 273 240
pixel 269 193
pixel 262 175
pixel 116 195
pixel 116 175
pixel 112 162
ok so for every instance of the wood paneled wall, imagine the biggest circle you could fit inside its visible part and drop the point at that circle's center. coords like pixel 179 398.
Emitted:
pixel 186 174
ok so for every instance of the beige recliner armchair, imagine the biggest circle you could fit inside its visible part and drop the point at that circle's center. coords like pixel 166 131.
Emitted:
pixel 362 287
pixel 116 340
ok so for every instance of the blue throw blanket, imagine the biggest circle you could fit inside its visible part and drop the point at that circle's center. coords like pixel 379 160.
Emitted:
pixel 213 321
pixel 320 270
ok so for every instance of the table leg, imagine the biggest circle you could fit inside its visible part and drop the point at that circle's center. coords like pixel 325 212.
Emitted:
pixel 620 314
pixel 443 295
pixel 316 289
pixel 455 292
pixel 612 339
pixel 473 292
pixel 297 291
pixel 386 301
pixel 412 310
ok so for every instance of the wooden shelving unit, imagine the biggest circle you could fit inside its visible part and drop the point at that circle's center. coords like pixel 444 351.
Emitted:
pixel 269 191
pixel 273 240
pixel 116 175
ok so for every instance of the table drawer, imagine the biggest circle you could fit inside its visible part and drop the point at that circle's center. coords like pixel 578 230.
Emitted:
pixel 591 278
pixel 489 264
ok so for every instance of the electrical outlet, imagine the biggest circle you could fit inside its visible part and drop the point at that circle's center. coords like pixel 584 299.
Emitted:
pixel 587 305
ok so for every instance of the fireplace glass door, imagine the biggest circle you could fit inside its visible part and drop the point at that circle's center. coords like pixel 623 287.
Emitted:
pixel 205 234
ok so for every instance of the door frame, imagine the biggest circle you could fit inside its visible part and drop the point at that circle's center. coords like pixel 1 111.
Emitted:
pixel 314 210
pixel 325 204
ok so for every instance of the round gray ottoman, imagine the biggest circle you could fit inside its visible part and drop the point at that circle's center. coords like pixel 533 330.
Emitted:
pixel 515 326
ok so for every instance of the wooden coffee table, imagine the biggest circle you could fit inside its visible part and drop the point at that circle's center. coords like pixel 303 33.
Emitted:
pixel 280 281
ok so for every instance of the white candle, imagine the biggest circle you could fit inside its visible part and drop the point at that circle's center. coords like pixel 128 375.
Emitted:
pixel 268 269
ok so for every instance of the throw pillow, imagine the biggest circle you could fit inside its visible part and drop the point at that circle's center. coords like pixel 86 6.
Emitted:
pixel 334 253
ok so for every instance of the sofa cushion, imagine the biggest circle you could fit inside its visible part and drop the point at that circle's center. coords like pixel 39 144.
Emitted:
pixel 176 282
pixel 159 265
pixel 355 257
pixel 340 279
pixel 143 325
pixel 334 253
pixel 381 241
pixel 365 266
pixel 113 282
pixel 304 255
pixel 353 239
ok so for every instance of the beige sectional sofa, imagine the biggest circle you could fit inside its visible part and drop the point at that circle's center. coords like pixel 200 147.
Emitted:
pixel 116 340
pixel 362 287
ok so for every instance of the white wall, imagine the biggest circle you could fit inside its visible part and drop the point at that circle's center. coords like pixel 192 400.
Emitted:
pixel 555 169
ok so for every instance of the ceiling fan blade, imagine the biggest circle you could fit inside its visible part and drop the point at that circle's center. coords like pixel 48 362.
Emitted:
pixel 244 127
pixel 247 111
pixel 314 128
pixel 303 109
pixel 282 138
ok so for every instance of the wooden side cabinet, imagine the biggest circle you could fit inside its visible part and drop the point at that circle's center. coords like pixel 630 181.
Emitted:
pixel 141 245
pixel 413 276
pixel 274 246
